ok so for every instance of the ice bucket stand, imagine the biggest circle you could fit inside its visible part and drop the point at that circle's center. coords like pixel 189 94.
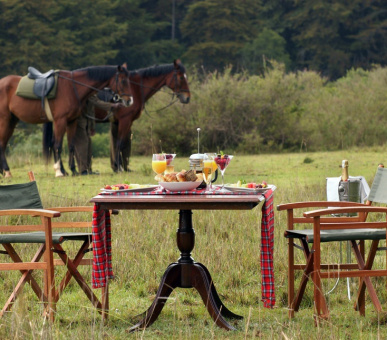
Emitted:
pixel 356 189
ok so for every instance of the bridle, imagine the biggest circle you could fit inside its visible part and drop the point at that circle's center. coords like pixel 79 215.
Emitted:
pixel 177 83
pixel 117 96
pixel 175 91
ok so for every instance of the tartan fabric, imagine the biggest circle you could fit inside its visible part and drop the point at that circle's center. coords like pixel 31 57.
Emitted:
pixel 267 248
pixel 102 248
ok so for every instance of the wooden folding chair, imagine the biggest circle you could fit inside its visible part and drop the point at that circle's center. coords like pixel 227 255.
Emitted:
pixel 25 200
pixel 323 221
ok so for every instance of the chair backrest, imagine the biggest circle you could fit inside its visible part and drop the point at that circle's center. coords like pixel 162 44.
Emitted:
pixel 378 191
pixel 20 196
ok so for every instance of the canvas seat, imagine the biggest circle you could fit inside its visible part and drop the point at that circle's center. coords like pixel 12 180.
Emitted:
pixel 24 199
pixel 331 223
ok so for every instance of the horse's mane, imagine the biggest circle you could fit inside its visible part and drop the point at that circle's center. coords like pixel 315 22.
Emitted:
pixel 100 73
pixel 156 70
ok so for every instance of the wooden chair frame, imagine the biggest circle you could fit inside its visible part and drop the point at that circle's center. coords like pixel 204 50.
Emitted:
pixel 50 294
pixel 295 217
pixel 364 267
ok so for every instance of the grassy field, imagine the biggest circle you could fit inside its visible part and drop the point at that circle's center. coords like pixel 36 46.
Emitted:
pixel 227 242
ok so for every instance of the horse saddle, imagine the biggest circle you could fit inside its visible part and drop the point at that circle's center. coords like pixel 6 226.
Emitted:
pixel 43 82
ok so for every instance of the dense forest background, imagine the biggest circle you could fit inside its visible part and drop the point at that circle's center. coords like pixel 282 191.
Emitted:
pixel 265 75
pixel 327 36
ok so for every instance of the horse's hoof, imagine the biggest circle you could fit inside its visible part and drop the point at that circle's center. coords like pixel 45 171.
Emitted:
pixel 58 172
pixel 7 174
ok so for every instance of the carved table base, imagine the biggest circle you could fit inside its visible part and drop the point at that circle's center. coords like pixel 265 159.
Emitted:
pixel 186 273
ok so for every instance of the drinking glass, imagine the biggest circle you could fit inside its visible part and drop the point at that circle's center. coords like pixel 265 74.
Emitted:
pixel 159 163
pixel 169 157
pixel 222 161
pixel 211 156
pixel 207 171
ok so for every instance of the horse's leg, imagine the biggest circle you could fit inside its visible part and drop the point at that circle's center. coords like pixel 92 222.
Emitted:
pixel 59 131
pixel 125 151
pixel 71 127
pixel 123 143
pixel 7 127
pixel 113 146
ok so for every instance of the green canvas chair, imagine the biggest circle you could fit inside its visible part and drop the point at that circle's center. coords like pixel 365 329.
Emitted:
pixel 24 199
pixel 329 227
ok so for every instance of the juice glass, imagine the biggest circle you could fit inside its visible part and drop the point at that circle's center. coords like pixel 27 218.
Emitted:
pixel 159 163
pixel 207 171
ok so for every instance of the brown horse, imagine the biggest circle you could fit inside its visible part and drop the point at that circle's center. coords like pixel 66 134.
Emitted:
pixel 73 88
pixel 144 83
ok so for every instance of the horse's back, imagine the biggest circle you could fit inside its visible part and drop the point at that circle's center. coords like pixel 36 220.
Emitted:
pixel 9 83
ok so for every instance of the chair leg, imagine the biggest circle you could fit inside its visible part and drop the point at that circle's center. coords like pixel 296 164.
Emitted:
pixel 365 282
pixel 305 277
pixel 72 268
pixel 105 303
pixel 319 299
pixel 304 280
pixel 290 278
pixel 26 277
pixel 77 260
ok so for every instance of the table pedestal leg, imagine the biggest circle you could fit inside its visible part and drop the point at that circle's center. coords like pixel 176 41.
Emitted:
pixel 185 273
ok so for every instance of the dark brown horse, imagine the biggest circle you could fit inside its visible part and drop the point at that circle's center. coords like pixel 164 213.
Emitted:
pixel 144 83
pixel 73 88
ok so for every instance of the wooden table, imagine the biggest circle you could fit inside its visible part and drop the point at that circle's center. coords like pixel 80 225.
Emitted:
pixel 185 273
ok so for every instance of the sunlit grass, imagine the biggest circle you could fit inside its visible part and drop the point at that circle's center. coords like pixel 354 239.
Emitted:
pixel 227 242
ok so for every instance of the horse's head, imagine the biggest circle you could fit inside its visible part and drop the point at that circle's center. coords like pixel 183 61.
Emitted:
pixel 178 82
pixel 121 86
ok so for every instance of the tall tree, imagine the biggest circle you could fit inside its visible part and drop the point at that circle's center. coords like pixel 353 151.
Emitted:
pixel 216 30
pixel 139 47
pixel 333 36
pixel 62 34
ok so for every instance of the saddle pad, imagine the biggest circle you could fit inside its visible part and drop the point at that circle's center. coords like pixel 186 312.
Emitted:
pixel 25 88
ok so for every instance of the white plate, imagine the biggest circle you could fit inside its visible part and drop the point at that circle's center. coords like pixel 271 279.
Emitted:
pixel 141 189
pixel 180 186
pixel 256 190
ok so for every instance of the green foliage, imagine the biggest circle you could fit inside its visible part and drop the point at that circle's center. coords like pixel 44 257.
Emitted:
pixel 277 111
pixel 324 36
pixel 268 45
pixel 215 32
pixel 100 145
pixel 308 160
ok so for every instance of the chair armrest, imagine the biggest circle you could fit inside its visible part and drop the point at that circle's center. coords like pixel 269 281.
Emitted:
pixel 30 212
pixel 316 204
pixel 73 209
pixel 344 210
pixel 81 209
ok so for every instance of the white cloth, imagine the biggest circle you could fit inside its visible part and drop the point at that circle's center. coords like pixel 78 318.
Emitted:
pixel 333 187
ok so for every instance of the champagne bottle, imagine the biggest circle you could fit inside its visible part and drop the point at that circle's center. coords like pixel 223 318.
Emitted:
pixel 344 170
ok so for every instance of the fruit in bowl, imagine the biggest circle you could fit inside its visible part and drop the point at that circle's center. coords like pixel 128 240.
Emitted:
pixel 170 157
pixel 222 161
pixel 117 187
pixel 251 185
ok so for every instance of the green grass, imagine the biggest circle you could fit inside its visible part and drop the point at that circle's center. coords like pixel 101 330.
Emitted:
pixel 227 242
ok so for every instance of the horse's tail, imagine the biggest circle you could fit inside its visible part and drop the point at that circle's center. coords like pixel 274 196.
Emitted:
pixel 48 140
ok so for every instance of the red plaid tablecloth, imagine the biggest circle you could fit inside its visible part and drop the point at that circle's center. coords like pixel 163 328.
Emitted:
pixel 102 259
pixel 267 249
pixel 102 247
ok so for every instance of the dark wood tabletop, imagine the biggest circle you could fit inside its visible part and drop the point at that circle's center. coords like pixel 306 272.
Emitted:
pixel 180 202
